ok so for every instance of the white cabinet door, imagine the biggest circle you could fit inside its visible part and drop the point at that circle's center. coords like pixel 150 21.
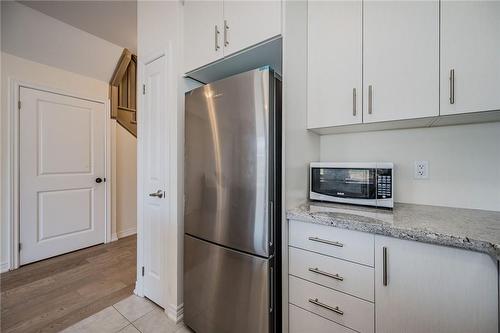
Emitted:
pixel 401 60
pixel 203 29
pixel 470 46
pixel 334 63
pixel 434 289
pixel 250 22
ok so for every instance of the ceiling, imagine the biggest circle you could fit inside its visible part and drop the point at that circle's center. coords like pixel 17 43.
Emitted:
pixel 114 21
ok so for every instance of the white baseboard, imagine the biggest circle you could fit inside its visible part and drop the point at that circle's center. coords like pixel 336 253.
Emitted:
pixel 4 267
pixel 114 237
pixel 126 232
pixel 175 313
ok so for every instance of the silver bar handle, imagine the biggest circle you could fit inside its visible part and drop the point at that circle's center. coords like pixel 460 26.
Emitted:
pixel 336 309
pixel 354 102
pixel 271 306
pixel 452 86
pixel 370 99
pixel 216 36
pixel 384 266
pixel 158 194
pixel 226 33
pixel 320 272
pixel 325 241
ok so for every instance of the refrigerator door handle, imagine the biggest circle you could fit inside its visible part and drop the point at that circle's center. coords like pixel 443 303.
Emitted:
pixel 271 223
pixel 271 289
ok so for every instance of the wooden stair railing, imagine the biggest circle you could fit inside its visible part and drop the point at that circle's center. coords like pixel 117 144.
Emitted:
pixel 122 91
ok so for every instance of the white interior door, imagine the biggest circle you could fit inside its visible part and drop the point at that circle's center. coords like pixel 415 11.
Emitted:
pixel 155 151
pixel 62 153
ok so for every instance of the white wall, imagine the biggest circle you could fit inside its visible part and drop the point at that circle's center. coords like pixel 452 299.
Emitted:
pixel 464 162
pixel 159 25
pixel 47 76
pixel 126 182
pixel 35 36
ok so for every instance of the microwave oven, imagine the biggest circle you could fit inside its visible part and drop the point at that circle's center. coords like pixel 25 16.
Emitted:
pixel 369 184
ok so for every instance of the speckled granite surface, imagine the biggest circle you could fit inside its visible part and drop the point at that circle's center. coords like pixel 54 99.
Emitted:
pixel 470 229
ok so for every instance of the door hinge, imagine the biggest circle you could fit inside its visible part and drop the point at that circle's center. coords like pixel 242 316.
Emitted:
pixel 144 89
pixel 19 105
pixel 20 247
pixel 142 270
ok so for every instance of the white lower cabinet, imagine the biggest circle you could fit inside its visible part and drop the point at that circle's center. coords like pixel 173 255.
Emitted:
pixel 412 287
pixel 434 289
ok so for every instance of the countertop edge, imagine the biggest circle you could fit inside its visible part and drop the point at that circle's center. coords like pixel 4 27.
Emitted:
pixel 422 236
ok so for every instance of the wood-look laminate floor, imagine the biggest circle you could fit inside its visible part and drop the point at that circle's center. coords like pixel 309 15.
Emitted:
pixel 50 295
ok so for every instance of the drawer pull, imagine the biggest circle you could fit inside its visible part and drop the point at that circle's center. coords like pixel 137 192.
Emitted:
pixel 328 307
pixel 320 272
pixel 325 241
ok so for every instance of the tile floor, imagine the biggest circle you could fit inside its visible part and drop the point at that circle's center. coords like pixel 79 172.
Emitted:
pixel 131 315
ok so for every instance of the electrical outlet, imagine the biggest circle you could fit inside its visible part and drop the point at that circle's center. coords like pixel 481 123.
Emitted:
pixel 421 170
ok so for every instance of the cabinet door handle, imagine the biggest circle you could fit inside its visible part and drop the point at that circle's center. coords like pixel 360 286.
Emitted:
pixel 336 309
pixel 354 102
pixel 384 266
pixel 370 99
pixel 325 241
pixel 216 36
pixel 320 272
pixel 452 86
pixel 226 33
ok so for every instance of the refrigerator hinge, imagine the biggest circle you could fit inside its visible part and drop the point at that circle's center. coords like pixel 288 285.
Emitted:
pixel 142 270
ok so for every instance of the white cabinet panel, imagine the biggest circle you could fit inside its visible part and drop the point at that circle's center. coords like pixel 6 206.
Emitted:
pixel 340 243
pixel 302 321
pixel 334 63
pixel 434 289
pixel 342 275
pixel 470 45
pixel 401 60
pixel 249 23
pixel 341 308
pixel 203 33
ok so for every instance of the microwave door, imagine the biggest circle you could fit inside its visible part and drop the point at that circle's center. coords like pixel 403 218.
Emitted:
pixel 344 182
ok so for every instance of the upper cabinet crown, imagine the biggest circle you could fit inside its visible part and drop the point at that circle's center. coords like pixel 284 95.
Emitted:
pixel 399 64
pixel 215 29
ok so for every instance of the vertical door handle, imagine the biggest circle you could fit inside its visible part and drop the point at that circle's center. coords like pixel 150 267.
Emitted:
pixel 384 266
pixel 370 99
pixel 216 36
pixel 354 101
pixel 452 86
pixel 226 33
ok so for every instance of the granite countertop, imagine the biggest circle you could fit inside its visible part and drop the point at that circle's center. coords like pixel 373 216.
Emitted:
pixel 470 229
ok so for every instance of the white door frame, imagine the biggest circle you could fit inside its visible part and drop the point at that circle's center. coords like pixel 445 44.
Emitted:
pixel 10 156
pixel 142 62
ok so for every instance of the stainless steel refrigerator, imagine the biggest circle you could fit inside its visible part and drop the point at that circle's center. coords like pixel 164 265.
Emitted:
pixel 232 212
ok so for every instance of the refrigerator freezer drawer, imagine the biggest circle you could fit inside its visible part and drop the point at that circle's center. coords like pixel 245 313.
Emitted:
pixel 224 290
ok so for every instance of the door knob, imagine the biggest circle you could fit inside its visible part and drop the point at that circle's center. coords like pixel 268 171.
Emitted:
pixel 98 180
pixel 158 194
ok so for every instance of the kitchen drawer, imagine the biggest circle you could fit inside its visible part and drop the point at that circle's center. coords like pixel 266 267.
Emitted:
pixel 302 321
pixel 334 273
pixel 340 243
pixel 352 312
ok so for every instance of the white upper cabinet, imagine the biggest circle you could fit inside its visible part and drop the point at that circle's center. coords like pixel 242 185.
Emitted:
pixel 400 60
pixel 334 63
pixel 203 33
pixel 431 288
pixel 215 29
pixel 470 56
pixel 250 22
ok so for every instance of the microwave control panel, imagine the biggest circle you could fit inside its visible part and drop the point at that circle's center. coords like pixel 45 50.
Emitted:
pixel 384 183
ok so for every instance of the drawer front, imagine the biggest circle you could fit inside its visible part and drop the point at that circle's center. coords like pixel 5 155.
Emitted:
pixel 302 321
pixel 345 276
pixel 343 309
pixel 340 243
